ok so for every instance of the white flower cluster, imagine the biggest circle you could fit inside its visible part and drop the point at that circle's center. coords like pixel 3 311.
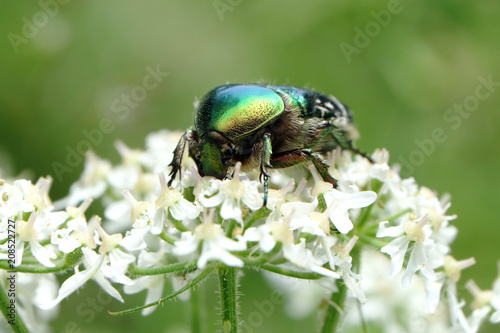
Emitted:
pixel 309 230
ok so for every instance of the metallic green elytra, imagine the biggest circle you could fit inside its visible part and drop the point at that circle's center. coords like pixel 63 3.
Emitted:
pixel 237 110
pixel 265 126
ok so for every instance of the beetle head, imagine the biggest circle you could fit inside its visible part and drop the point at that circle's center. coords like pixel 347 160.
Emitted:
pixel 216 151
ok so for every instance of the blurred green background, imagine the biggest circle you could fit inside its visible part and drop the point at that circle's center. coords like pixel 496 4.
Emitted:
pixel 65 66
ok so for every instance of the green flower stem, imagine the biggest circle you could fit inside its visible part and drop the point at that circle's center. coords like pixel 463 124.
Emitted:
pixel 401 213
pixel 228 298
pixel 261 259
pixel 261 213
pixel 365 212
pixel 194 302
pixel 373 242
pixel 177 224
pixel 363 216
pixel 367 234
pixel 30 261
pixel 230 228
pixel 335 309
pixel 322 203
pixel 36 269
pixel 369 229
pixel 190 285
pixel 290 273
pixel 279 261
pixel 19 326
pixel 45 242
pixel 189 194
pixel 187 266
pixel 167 238
pixel 255 262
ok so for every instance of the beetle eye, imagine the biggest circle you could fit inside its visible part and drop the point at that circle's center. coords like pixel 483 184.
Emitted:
pixel 228 153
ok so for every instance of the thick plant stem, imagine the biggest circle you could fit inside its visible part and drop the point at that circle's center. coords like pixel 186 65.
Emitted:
pixel 228 298
pixel 196 308
pixel 10 312
pixel 335 309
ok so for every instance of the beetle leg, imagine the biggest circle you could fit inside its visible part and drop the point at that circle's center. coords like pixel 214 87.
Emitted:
pixel 188 137
pixel 265 162
pixel 293 157
pixel 324 129
pixel 349 145
pixel 360 152
pixel 267 151
pixel 339 136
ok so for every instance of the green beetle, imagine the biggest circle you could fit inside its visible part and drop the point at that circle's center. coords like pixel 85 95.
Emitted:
pixel 264 126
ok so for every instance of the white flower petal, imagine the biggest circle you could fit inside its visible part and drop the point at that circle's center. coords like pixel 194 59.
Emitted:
pixel 433 291
pixel 158 221
pixel 107 287
pixel 186 245
pixel 155 291
pixel 298 254
pixel 210 251
pixel 262 234
pixel 179 212
pixel 341 221
pixel 230 244
pixel 385 231
pixel 397 250
pixel 252 198
pixel 42 254
pixel 73 283
pixel 354 287
pixel 351 200
pixel 418 261
pixel 19 253
pixel 134 240
pixel 231 210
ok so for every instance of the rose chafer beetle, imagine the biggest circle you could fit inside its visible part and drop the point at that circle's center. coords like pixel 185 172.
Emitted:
pixel 265 126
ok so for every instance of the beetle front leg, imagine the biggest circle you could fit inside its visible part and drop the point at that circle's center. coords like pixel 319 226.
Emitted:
pixel 294 157
pixel 265 158
pixel 339 136
pixel 349 145
pixel 187 138
pixel 360 152
pixel 266 151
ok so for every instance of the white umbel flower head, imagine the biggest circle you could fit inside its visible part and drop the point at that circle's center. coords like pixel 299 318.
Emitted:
pixel 215 245
pixel 348 241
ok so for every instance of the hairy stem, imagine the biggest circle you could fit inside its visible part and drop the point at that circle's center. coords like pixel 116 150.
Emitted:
pixel 335 309
pixel 36 269
pixel 187 266
pixel 194 302
pixel 228 298
pixel 190 285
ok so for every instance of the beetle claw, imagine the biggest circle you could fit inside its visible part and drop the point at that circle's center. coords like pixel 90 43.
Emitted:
pixel 265 174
